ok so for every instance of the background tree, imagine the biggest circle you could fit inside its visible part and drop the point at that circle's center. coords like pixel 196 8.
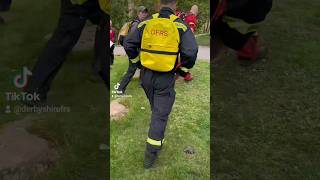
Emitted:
pixel 120 14
pixel 131 8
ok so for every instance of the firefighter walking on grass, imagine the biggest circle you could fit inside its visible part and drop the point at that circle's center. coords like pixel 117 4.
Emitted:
pixel 157 43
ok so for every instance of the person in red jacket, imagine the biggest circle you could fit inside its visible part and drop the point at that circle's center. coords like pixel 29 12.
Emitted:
pixel 112 33
pixel 192 18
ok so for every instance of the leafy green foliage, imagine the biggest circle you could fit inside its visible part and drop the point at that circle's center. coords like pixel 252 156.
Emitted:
pixel 119 10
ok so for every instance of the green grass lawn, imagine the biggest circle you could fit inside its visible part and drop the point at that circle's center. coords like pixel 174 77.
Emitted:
pixel 266 117
pixel 203 40
pixel 76 135
pixel 188 126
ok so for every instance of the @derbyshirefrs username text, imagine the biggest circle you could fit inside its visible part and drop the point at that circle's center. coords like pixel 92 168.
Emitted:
pixel 17 109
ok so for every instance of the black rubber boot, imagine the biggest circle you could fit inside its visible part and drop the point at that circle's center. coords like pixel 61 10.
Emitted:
pixel 149 159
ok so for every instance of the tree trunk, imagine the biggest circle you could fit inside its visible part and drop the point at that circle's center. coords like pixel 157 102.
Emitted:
pixel 131 8
pixel 157 5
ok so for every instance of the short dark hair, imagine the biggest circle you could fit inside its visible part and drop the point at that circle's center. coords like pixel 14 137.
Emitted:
pixel 165 2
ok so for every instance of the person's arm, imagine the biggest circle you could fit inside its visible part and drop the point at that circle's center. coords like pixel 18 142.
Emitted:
pixel 132 43
pixel 188 48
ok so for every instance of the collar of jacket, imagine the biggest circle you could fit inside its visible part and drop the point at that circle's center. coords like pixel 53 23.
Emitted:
pixel 165 12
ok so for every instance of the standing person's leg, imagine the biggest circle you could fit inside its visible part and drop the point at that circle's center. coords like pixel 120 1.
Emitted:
pixel 146 77
pixel 162 102
pixel 61 43
pixel 101 62
pixel 112 55
pixel 128 76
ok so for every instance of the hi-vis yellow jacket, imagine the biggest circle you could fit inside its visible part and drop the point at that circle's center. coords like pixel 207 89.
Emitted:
pixel 159 41
pixel 104 4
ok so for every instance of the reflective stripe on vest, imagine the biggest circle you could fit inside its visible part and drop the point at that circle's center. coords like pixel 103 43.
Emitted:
pixel 155 142
pixel 240 25
pixel 142 23
pixel 181 26
pixel 135 60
